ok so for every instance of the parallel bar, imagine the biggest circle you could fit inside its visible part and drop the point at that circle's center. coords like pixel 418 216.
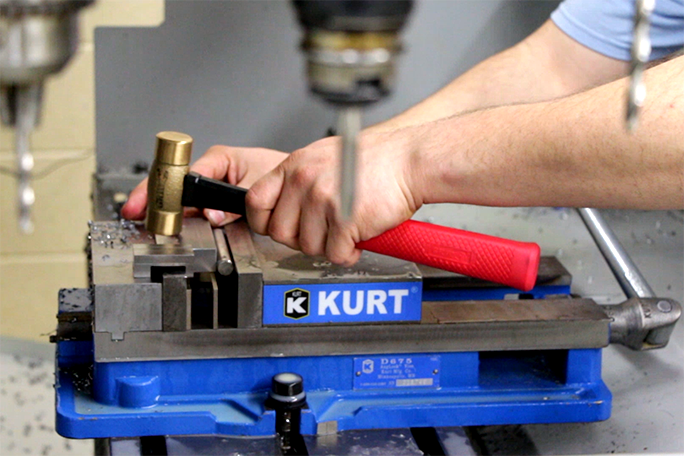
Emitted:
pixel 539 325
pixel 249 279
pixel 224 264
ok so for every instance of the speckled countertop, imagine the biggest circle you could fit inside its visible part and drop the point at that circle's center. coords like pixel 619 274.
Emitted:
pixel 27 411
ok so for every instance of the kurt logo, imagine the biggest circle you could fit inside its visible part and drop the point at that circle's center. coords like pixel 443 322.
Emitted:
pixel 368 302
pixel 296 304
pixel 334 303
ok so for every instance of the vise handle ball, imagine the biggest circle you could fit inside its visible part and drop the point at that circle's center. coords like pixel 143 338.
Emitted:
pixel 171 187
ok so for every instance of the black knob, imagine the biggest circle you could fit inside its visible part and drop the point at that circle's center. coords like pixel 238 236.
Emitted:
pixel 288 385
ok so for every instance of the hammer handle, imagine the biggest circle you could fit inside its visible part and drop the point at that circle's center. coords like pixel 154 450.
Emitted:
pixel 205 193
pixel 490 258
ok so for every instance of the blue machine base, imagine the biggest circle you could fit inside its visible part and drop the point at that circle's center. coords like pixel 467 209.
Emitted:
pixel 226 396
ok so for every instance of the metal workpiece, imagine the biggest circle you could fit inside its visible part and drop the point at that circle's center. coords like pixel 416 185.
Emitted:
pixel 447 327
pixel 111 251
pixel 224 264
pixel 247 279
pixel 194 250
pixel 625 271
pixel 124 252
pixel 640 54
pixel 127 308
pixel 643 323
pixel 165 185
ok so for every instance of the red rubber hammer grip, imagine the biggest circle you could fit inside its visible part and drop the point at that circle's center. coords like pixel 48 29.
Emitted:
pixel 490 258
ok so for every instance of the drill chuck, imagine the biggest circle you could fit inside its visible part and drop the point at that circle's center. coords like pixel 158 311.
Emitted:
pixel 351 46
pixel 165 184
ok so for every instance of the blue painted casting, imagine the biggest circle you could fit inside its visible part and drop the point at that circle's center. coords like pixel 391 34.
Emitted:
pixel 226 396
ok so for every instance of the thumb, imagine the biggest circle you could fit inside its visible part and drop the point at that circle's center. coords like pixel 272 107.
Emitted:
pixel 262 198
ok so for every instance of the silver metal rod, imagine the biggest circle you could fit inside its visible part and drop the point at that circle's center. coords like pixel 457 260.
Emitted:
pixel 625 271
pixel 641 51
pixel 28 100
pixel 224 264
pixel 348 126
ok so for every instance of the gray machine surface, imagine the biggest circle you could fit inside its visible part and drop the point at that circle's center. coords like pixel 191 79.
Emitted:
pixel 647 387
pixel 231 72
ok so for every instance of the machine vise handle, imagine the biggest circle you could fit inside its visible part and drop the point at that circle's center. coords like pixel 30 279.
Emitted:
pixel 477 255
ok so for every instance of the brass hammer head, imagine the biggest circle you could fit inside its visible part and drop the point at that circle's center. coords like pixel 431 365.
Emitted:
pixel 165 184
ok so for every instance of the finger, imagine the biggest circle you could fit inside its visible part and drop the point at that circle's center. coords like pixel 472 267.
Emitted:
pixel 313 228
pixel 219 218
pixel 261 199
pixel 283 226
pixel 244 173
pixel 191 212
pixel 215 162
pixel 340 248
pixel 135 206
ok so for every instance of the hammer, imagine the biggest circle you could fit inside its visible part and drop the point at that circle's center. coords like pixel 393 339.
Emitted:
pixel 171 187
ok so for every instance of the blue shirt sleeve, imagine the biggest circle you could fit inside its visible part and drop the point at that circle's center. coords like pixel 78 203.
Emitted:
pixel 606 25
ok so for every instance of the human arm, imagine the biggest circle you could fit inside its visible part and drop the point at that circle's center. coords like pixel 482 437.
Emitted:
pixel 572 151
pixel 547 64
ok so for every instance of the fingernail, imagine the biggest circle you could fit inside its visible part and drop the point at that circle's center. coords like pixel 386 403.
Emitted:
pixel 230 218
pixel 216 217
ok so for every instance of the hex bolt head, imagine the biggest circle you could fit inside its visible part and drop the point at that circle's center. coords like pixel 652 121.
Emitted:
pixel 664 306
pixel 287 384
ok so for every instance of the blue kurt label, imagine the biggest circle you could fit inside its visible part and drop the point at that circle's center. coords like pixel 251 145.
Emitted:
pixel 342 303
pixel 396 371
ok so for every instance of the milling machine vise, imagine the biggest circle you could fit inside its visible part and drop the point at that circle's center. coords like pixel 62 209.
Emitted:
pixel 224 332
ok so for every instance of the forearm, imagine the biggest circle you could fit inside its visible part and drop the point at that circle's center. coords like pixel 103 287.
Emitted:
pixel 569 152
pixel 546 65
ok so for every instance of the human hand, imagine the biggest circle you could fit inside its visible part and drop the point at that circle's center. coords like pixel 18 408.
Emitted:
pixel 297 203
pixel 239 166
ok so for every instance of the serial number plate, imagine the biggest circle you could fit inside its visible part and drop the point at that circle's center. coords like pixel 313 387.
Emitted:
pixel 408 371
